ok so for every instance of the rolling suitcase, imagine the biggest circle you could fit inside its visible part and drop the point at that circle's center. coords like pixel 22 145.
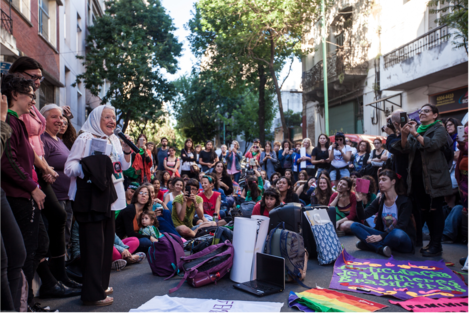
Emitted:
pixel 289 213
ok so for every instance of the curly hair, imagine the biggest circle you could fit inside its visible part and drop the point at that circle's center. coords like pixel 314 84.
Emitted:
pixel 15 84
pixel 70 134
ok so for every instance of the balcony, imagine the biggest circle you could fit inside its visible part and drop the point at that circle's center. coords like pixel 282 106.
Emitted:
pixel 341 69
pixel 430 57
pixel 7 41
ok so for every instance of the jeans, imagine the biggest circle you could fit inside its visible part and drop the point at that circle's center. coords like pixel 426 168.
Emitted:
pixel 236 177
pixel 13 253
pixel 343 173
pixel 321 171
pixel 36 241
pixel 397 239
pixel 453 222
pixel 144 245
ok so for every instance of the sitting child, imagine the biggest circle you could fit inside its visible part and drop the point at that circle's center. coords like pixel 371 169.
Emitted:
pixel 148 224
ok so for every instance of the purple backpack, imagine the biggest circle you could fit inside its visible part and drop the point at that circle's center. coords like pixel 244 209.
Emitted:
pixel 165 255
pixel 207 266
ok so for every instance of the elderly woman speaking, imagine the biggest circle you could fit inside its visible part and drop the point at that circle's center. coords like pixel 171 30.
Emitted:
pixel 92 175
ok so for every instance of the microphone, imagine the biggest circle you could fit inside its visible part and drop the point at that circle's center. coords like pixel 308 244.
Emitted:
pixel 118 132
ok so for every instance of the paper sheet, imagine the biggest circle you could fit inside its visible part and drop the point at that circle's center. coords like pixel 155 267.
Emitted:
pixel 303 164
pixel 263 227
pixel 244 239
pixel 177 304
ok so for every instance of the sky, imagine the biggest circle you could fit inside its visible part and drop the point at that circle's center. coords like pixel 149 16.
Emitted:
pixel 180 12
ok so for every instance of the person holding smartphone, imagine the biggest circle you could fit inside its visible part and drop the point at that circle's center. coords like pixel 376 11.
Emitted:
pixel 254 153
pixel 233 161
pixel 339 156
pixel 286 156
pixel 268 159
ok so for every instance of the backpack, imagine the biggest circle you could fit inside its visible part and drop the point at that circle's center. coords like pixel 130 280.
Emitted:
pixel 290 246
pixel 222 234
pixel 200 243
pixel 207 266
pixel 246 208
pixel 165 254
pixel 210 230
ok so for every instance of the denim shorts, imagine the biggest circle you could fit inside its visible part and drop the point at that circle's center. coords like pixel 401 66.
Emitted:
pixel 343 173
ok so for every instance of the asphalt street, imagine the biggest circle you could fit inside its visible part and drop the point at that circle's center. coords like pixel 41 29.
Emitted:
pixel 136 285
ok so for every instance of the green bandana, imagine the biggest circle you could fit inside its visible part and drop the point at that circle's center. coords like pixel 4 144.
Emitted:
pixel 423 128
pixel 13 113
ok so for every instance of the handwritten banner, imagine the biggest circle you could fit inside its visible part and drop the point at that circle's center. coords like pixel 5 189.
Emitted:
pixel 400 279
pixel 431 305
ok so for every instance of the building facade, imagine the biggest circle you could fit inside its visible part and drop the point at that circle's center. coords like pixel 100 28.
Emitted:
pixel 30 28
pixel 382 56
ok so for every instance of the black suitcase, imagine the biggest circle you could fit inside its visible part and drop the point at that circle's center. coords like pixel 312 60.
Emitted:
pixel 289 213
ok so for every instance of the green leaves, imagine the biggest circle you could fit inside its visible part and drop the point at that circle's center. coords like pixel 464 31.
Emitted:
pixel 130 47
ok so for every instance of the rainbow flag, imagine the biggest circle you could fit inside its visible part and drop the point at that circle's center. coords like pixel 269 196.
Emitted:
pixel 325 300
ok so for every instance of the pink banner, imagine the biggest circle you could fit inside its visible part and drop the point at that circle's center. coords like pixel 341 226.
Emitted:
pixel 423 304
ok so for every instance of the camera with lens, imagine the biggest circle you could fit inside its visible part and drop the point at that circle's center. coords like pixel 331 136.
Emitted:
pixel 389 125
pixel 249 171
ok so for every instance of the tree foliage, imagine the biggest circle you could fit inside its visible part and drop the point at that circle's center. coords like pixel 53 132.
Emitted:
pixel 266 30
pixel 131 47
pixel 453 13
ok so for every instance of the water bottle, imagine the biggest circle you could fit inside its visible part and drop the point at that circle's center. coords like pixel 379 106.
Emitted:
pixel 215 217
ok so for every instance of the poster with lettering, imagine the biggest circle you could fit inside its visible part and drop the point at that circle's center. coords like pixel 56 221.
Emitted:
pixel 400 279
pixel 430 305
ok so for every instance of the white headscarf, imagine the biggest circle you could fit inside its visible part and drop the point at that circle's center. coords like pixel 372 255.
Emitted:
pixel 92 124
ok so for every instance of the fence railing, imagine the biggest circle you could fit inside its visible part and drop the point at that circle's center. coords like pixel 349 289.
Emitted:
pixel 7 22
pixel 427 41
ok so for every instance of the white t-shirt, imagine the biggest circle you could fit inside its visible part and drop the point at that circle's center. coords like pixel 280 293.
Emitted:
pixel 390 217
pixel 338 161
pixel 187 165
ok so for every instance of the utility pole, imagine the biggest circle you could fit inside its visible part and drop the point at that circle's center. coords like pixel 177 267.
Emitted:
pixel 325 66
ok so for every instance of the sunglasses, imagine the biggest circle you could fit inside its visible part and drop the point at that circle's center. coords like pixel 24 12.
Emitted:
pixel 35 77
pixel 425 111
pixel 338 139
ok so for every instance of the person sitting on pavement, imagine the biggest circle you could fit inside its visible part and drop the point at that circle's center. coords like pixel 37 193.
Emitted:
pixel 185 208
pixel 254 188
pixel 176 188
pixel 162 213
pixel 158 192
pixel 130 192
pixel 211 200
pixel 284 185
pixel 394 229
pixel 271 199
pixel 306 189
pixel 343 202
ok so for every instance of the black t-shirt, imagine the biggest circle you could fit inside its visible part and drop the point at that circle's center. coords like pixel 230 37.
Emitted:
pixel 207 157
pixel 321 155
pixel 294 198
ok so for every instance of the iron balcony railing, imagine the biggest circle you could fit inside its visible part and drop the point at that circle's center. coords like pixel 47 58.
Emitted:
pixel 7 22
pixel 427 41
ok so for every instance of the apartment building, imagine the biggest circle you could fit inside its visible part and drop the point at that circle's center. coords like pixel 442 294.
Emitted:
pixel 382 55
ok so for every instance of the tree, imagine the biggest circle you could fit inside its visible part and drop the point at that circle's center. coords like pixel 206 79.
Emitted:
pixel 454 13
pixel 277 24
pixel 131 47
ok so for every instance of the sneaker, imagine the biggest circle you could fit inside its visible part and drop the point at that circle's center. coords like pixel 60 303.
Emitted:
pixel 386 251
pixel 118 264
pixel 38 308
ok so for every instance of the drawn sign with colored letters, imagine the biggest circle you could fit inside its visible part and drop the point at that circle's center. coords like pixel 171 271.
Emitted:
pixel 400 279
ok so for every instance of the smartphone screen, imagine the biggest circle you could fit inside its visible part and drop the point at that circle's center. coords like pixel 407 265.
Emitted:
pixel 232 146
pixel 141 142
pixel 403 118
pixel 460 132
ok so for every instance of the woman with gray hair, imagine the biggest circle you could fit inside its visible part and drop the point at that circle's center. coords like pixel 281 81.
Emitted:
pixel 96 199
pixel 56 154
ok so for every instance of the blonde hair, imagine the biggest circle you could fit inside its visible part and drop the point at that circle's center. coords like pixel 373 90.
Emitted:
pixel 236 143
pixel 310 148
pixel 276 143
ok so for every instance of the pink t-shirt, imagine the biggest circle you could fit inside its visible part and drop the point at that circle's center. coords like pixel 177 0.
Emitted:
pixel 35 125
pixel 233 169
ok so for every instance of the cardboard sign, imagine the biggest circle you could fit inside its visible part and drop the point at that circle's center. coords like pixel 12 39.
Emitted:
pixel 362 185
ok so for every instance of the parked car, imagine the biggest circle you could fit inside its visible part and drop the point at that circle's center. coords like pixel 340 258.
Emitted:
pixel 356 138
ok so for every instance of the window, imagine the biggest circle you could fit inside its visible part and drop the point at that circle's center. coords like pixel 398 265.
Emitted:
pixel 44 18
pixel 46 93
pixel 340 39
pixel 23 6
pixel 78 45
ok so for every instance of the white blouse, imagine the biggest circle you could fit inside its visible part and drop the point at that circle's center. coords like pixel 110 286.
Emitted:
pixel 73 168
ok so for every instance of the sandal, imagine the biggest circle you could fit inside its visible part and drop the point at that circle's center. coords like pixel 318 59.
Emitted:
pixel 109 291
pixel 136 258
pixel 106 301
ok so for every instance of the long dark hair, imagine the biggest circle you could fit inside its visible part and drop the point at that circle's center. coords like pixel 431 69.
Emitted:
pixel 212 151
pixel 162 182
pixel 454 121
pixel 273 192
pixel 70 134
pixel 252 186
pixel 306 186
pixel 290 191
pixel 271 180
pixel 148 205
pixel 215 180
pixel 288 141
pixel 291 175
pixel 327 144
pixel 323 197
pixel 224 169
pixel 192 145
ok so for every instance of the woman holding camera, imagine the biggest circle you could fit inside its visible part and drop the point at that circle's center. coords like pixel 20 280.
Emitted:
pixel 233 161
pixel 428 174
pixel 340 154
pixel 268 159
pixel 286 156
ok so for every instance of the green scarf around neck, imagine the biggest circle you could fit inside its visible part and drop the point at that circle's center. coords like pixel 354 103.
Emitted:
pixel 13 113
pixel 423 128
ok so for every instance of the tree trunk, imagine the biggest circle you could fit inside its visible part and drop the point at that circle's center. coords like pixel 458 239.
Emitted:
pixel 278 90
pixel 262 103
pixel 126 121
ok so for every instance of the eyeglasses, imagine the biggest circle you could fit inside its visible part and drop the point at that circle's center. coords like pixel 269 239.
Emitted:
pixel 425 111
pixel 32 96
pixel 143 193
pixel 338 139
pixel 35 77
pixel 377 143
